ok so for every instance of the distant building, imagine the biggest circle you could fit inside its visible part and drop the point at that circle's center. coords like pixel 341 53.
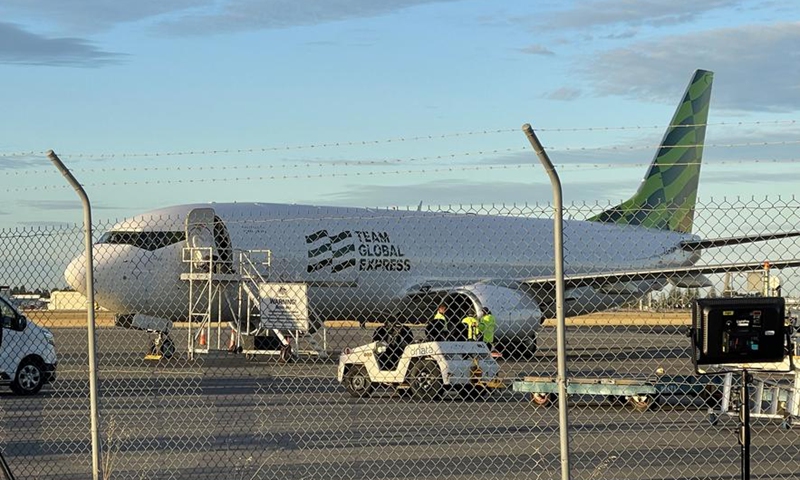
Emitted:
pixel 29 301
pixel 68 300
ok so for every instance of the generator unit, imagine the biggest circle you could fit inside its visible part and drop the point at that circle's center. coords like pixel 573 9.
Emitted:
pixel 739 331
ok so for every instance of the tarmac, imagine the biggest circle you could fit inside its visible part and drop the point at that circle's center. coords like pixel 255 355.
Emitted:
pixel 226 416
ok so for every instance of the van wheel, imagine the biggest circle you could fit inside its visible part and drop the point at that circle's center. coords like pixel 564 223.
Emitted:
pixel 426 380
pixel 357 382
pixel 29 378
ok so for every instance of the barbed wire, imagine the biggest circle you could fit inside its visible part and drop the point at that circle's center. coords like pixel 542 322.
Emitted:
pixel 360 163
pixel 41 231
pixel 703 145
pixel 455 168
pixel 272 177
pixel 354 143
pixel 334 163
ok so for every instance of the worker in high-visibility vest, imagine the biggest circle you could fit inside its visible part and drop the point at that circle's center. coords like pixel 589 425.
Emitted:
pixel 437 329
pixel 486 326
pixel 471 327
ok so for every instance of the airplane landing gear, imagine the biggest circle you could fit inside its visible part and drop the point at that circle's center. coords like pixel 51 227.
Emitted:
pixel 162 346
pixel 518 348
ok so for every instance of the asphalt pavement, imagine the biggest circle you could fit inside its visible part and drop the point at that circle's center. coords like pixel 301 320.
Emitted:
pixel 228 416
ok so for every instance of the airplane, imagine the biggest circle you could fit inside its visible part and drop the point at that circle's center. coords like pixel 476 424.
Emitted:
pixel 367 264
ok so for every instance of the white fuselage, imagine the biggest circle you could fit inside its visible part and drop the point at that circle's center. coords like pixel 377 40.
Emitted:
pixel 360 261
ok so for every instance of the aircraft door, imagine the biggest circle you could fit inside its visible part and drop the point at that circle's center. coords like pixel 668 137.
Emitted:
pixel 207 235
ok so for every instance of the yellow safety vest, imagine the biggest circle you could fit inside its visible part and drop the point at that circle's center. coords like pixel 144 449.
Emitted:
pixel 439 317
pixel 486 327
pixel 472 327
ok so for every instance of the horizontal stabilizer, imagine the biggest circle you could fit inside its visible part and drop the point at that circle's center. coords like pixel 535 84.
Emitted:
pixel 690 281
pixel 694 245
pixel 599 279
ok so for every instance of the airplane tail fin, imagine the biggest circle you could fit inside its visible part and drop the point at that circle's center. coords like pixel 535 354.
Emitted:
pixel 666 197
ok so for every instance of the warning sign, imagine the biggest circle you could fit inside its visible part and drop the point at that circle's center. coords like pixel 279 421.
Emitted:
pixel 284 306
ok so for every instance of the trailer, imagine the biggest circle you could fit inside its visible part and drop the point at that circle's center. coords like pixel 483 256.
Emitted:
pixel 641 394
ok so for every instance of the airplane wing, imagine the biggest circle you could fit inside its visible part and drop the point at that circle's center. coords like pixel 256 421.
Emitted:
pixel 605 278
pixel 695 245
pixel 678 275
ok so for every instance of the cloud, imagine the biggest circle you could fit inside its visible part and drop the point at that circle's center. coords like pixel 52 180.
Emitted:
pixel 728 145
pixel 91 16
pixel 60 205
pixel 19 47
pixel 757 67
pixel 244 15
pixel 537 50
pixel 621 35
pixel 53 204
pixel 753 176
pixel 564 93
pixel 452 192
pixel 627 12
pixel 202 17
pixel 47 224
pixel 21 161
pixel 323 43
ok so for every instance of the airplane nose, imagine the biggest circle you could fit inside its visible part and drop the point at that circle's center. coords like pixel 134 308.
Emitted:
pixel 75 274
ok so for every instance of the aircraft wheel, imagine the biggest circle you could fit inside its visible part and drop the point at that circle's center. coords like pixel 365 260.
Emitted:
pixel 542 399
pixel 641 403
pixel 357 382
pixel 29 378
pixel 167 348
pixel 426 380
pixel 518 349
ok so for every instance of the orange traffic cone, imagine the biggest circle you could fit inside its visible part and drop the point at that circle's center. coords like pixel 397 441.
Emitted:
pixel 232 341
pixel 203 341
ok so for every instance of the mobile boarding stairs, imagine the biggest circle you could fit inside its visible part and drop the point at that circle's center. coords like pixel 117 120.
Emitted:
pixel 274 314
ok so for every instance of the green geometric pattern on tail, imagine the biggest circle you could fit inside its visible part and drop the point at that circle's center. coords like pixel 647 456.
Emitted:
pixel 666 197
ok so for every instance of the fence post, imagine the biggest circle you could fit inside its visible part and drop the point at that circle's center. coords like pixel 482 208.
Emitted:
pixel 5 468
pixel 90 322
pixel 558 220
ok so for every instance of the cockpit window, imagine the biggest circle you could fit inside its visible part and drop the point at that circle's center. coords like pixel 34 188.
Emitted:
pixel 145 240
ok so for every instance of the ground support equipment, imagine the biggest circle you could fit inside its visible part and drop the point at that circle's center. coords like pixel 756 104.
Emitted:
pixel 640 394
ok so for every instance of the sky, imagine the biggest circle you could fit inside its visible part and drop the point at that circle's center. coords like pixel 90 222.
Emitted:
pixel 369 103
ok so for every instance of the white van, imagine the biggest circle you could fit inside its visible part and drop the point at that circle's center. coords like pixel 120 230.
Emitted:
pixel 27 352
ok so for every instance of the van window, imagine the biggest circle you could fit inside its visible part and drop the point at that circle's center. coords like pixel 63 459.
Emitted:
pixel 8 314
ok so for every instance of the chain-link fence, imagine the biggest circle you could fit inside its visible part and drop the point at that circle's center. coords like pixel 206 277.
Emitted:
pixel 274 341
